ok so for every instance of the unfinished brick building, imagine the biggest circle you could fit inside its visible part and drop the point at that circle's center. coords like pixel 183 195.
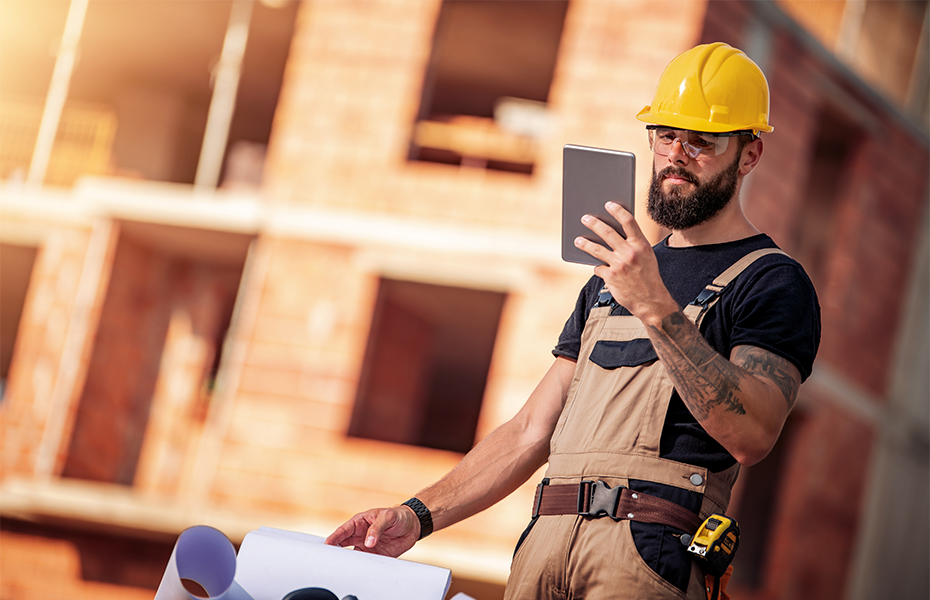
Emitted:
pixel 277 283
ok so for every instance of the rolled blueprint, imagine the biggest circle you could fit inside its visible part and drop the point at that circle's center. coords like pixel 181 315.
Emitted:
pixel 205 560
pixel 272 563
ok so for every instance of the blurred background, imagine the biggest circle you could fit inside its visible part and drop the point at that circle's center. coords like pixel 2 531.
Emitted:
pixel 274 262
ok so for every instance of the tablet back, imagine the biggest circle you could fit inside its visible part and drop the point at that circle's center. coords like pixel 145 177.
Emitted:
pixel 590 178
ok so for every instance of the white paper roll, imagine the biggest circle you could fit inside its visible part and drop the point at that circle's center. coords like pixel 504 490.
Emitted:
pixel 273 562
pixel 205 556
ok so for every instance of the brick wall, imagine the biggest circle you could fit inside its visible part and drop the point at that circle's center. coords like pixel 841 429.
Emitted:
pixel 351 93
pixel 870 233
pixel 52 308
pixel 877 231
pixel 38 562
pixel 271 441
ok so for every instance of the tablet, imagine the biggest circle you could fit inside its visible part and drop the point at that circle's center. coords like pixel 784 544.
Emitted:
pixel 590 178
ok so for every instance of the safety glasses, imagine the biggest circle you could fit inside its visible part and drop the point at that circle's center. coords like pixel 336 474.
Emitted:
pixel 696 144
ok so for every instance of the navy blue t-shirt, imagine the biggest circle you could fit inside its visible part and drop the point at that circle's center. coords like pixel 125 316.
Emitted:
pixel 771 305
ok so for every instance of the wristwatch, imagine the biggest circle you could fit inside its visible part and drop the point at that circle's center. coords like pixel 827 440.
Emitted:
pixel 424 516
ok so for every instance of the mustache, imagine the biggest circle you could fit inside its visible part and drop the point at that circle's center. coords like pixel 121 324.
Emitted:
pixel 677 172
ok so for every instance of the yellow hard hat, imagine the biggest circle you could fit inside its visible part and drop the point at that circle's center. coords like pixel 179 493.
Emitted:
pixel 713 88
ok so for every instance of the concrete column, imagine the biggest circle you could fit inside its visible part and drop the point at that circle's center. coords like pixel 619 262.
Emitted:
pixel 57 92
pixel 224 96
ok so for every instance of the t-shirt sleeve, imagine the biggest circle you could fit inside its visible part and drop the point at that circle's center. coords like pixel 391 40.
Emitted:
pixel 778 311
pixel 569 344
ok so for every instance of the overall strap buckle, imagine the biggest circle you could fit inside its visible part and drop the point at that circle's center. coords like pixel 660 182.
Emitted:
pixel 605 298
pixel 706 295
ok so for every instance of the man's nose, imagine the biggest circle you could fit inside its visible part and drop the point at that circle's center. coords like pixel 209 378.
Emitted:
pixel 677 153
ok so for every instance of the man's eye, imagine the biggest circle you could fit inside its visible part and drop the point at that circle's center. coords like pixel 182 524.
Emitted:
pixel 666 136
pixel 700 142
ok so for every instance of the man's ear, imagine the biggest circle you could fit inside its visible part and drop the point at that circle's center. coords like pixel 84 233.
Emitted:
pixel 750 156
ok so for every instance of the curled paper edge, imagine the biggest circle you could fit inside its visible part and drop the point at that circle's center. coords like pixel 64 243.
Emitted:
pixel 204 555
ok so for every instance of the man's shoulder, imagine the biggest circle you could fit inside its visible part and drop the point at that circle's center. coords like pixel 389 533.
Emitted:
pixel 779 260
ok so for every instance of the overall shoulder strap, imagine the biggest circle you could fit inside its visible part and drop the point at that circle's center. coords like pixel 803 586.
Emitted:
pixel 711 293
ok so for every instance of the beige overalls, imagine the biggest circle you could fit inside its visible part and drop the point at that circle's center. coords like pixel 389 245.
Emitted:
pixel 609 430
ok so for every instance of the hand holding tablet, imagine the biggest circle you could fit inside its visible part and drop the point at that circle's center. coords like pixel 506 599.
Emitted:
pixel 590 178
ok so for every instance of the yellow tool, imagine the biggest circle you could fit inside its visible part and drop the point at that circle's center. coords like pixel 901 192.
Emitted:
pixel 715 543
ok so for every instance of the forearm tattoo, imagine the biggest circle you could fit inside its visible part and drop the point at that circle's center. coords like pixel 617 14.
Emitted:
pixel 772 367
pixel 705 379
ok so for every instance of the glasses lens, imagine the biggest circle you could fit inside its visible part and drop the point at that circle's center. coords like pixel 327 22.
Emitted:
pixel 694 143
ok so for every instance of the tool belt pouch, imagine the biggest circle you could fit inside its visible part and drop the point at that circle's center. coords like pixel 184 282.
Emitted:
pixel 714 546
pixel 724 580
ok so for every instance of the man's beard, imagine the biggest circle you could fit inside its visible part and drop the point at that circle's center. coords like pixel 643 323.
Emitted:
pixel 677 210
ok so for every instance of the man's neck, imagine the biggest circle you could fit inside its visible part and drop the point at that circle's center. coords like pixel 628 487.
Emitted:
pixel 728 226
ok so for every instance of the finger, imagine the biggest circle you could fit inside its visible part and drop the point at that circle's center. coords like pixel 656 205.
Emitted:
pixel 382 522
pixel 372 536
pixel 604 231
pixel 345 534
pixel 627 221
pixel 594 249
pixel 336 537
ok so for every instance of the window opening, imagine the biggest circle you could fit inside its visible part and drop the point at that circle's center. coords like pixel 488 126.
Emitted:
pixel 426 365
pixel 857 32
pixel 824 191
pixel 487 84
pixel 170 297
pixel 16 264
pixel 141 111
pixel 266 54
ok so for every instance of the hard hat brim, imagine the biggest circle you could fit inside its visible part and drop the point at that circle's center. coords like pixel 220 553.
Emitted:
pixel 646 115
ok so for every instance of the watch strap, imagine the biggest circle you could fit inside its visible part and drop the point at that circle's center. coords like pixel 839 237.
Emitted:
pixel 423 515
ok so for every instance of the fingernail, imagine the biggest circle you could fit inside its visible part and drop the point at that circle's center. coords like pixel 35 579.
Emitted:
pixel 585 218
pixel 370 541
pixel 611 204
pixel 577 241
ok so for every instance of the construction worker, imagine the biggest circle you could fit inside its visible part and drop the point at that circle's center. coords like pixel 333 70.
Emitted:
pixel 680 362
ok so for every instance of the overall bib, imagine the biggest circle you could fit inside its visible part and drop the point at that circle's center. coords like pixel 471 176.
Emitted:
pixel 609 431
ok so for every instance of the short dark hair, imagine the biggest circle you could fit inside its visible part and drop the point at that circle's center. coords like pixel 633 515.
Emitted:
pixel 742 140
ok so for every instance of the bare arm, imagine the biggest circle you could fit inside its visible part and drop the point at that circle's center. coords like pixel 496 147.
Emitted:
pixel 741 402
pixel 492 470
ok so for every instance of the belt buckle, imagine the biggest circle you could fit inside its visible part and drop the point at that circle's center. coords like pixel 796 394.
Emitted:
pixel 597 499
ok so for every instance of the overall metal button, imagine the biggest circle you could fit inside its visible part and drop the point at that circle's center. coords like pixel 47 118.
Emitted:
pixel 696 479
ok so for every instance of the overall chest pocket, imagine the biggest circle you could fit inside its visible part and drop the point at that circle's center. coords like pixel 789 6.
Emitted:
pixel 612 354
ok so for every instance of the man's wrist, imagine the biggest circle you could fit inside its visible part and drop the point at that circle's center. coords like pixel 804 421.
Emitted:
pixel 424 516
pixel 658 317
